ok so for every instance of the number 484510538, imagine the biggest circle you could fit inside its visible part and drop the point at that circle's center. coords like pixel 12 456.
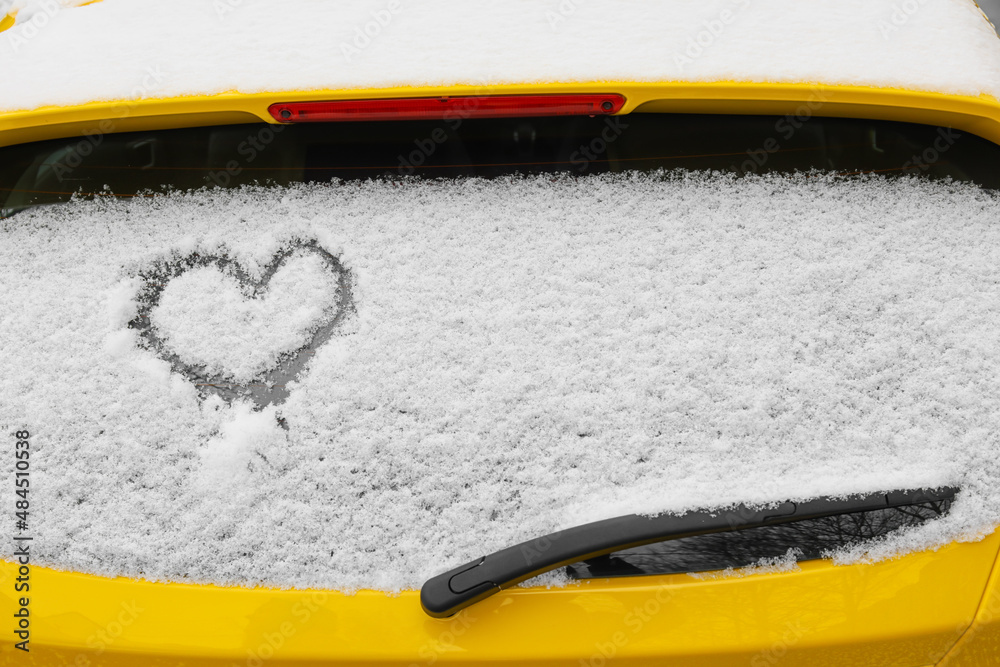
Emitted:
pixel 22 454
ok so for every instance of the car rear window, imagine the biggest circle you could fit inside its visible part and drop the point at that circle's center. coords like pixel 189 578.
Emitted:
pixel 543 322
pixel 229 156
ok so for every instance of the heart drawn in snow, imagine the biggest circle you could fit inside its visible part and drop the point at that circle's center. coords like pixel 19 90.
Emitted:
pixel 237 336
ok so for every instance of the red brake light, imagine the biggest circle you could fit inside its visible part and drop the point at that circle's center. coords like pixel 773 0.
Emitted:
pixel 434 108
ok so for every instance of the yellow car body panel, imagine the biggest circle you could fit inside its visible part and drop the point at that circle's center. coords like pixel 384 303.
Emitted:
pixel 978 115
pixel 7 21
pixel 980 644
pixel 907 612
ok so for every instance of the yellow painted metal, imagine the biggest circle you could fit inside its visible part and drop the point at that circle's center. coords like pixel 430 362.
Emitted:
pixel 978 115
pixel 8 21
pixel 906 612
pixel 980 644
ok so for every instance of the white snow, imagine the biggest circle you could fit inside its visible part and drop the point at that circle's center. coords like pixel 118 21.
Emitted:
pixel 788 562
pixel 225 460
pixel 524 355
pixel 132 49
pixel 209 319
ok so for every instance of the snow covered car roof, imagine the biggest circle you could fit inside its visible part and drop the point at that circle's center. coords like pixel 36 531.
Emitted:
pixel 931 62
pixel 253 46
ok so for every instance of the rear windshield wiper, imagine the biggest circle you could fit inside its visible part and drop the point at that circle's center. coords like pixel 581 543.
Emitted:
pixel 449 593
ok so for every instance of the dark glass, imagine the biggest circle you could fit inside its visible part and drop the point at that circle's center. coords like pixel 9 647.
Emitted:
pixel 992 10
pixel 134 163
pixel 809 539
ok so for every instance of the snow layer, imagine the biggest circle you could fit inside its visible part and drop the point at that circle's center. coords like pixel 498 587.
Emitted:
pixel 209 319
pixel 524 355
pixel 130 49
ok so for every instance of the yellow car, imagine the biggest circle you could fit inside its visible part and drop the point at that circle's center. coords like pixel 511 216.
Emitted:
pixel 753 581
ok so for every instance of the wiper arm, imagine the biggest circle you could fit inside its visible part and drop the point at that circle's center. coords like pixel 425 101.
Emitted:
pixel 449 593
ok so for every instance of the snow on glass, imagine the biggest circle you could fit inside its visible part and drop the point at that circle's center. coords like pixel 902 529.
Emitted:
pixel 522 355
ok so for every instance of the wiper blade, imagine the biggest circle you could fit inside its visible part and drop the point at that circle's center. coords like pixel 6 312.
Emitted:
pixel 449 593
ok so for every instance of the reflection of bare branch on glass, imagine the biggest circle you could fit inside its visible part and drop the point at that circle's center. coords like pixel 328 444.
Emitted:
pixel 812 538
